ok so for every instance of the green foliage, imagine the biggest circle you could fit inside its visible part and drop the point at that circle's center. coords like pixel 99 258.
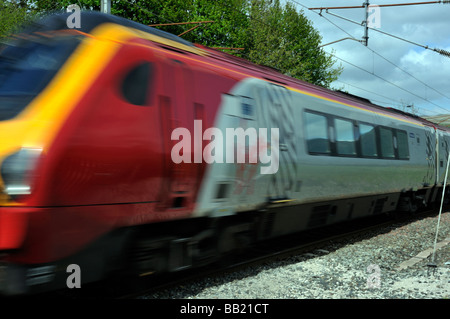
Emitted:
pixel 272 33
pixel 12 15
pixel 285 39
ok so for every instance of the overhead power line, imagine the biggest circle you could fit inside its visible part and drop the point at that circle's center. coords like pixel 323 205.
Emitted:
pixel 383 5
pixel 369 91
pixel 440 51
pixel 374 52
pixel 387 81
pixel 171 22
pixel 384 58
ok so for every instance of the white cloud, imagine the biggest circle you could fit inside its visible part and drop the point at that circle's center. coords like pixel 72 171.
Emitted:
pixel 419 60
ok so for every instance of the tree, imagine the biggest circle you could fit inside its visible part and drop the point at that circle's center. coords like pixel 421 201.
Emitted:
pixel 12 15
pixel 285 39
pixel 272 34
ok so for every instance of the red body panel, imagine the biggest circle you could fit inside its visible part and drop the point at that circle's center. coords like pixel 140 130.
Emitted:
pixel 13 227
pixel 56 232
pixel 110 165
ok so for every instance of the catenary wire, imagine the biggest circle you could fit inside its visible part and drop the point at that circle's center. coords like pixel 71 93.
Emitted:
pixel 395 65
pixel 440 51
pixel 152 13
pixel 426 85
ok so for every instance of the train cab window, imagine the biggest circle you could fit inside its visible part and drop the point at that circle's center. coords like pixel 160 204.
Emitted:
pixel 387 143
pixel 345 137
pixel 27 66
pixel 402 145
pixel 136 83
pixel 317 133
pixel 368 140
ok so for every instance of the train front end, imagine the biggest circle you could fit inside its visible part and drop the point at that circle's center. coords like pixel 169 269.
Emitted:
pixel 33 106
pixel 81 152
pixel 45 74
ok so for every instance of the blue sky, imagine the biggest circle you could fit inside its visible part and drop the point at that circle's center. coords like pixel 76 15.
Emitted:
pixel 396 73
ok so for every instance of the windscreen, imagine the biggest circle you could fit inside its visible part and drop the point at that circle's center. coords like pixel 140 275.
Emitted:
pixel 26 68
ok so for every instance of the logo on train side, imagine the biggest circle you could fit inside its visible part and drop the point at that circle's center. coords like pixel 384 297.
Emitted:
pixel 223 149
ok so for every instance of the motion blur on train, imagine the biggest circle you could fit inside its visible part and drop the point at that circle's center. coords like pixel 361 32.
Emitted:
pixel 126 149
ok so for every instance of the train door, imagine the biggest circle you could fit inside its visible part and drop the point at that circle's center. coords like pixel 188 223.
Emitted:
pixel 257 122
pixel 431 155
pixel 231 180
pixel 267 110
pixel 443 141
pixel 275 104
pixel 177 111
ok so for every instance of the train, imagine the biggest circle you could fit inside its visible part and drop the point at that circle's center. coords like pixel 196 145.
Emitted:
pixel 127 149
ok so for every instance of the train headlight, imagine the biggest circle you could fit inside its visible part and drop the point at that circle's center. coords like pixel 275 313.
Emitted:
pixel 17 169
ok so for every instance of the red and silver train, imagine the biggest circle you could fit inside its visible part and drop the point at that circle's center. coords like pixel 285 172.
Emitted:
pixel 111 155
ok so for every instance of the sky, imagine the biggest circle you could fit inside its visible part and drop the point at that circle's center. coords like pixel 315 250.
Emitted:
pixel 389 72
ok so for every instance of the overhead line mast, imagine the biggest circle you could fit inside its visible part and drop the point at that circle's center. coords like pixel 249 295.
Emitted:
pixel 105 6
pixel 366 24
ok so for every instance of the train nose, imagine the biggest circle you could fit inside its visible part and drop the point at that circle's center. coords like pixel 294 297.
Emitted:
pixel 13 227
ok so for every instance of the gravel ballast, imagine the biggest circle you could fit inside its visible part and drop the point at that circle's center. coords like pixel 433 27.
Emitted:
pixel 370 267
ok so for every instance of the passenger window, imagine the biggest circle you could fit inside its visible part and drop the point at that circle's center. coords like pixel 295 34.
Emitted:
pixel 387 143
pixel 345 137
pixel 136 83
pixel 368 140
pixel 402 142
pixel 317 133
